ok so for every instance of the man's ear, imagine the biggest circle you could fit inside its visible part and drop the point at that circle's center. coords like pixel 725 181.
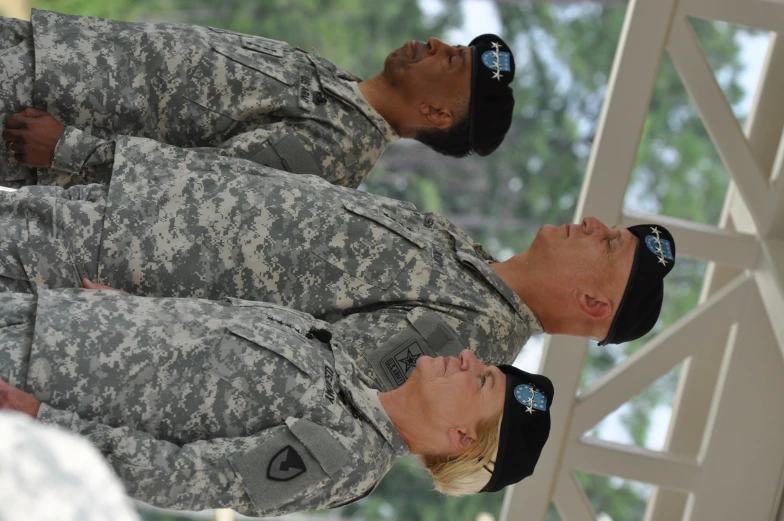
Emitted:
pixel 595 307
pixel 461 437
pixel 439 117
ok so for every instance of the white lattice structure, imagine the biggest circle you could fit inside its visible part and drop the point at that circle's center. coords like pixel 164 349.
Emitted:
pixel 724 455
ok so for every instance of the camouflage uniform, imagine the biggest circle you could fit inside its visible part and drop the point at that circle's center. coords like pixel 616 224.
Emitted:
pixel 48 475
pixel 190 86
pixel 186 224
pixel 199 404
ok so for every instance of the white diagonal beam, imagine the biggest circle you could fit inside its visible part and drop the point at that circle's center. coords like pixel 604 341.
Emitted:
pixel 634 463
pixel 716 114
pixel 629 90
pixel 701 328
pixel 761 14
pixel 770 280
pixel 570 499
pixel 701 241
pixel 775 226
pixel 742 456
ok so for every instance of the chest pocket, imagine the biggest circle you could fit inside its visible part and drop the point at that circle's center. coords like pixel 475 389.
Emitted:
pixel 368 245
pixel 298 465
pixel 242 77
pixel 263 361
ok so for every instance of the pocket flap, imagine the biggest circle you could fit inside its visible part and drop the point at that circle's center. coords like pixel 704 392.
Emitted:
pixel 330 453
pixel 49 264
pixel 271 339
pixel 264 45
pixel 296 157
pixel 386 222
pixel 10 263
pixel 253 60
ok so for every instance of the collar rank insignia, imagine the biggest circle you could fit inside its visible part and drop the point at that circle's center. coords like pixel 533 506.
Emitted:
pixel 658 246
pixel 497 61
pixel 286 465
pixel 531 397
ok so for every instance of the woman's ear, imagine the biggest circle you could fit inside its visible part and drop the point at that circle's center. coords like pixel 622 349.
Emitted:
pixel 437 117
pixel 461 438
pixel 594 307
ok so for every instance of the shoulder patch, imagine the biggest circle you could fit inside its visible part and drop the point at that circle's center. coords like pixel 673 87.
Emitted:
pixel 286 465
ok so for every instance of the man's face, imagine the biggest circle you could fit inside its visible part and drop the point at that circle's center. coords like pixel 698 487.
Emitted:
pixel 460 391
pixel 431 72
pixel 586 256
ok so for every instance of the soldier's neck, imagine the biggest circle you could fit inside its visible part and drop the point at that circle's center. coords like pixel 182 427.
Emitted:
pixel 406 414
pixel 386 101
pixel 529 285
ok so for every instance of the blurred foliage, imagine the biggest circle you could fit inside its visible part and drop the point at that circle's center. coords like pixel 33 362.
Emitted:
pixel 563 57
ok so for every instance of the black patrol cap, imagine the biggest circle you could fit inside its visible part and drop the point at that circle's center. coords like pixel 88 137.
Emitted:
pixel 525 427
pixel 642 300
pixel 492 100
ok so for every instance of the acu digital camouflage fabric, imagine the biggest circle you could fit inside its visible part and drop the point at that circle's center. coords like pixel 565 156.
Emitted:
pixel 47 474
pixel 180 223
pixel 232 94
pixel 186 224
pixel 16 83
pixel 199 404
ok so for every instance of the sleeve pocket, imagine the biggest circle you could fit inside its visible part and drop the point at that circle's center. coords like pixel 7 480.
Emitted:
pixel 296 463
pixel 48 264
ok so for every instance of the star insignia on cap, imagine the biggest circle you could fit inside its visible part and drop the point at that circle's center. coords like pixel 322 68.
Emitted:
pixel 529 409
pixel 496 46
pixel 659 250
pixel 497 75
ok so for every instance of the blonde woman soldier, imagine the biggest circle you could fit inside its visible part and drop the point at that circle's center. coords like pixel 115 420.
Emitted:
pixel 201 404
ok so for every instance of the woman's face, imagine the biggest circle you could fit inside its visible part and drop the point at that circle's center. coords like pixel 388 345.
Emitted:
pixel 460 391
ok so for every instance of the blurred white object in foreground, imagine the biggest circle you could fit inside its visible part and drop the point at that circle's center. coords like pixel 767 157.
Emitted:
pixel 49 474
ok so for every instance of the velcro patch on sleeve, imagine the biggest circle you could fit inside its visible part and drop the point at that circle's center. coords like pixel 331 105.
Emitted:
pixel 279 471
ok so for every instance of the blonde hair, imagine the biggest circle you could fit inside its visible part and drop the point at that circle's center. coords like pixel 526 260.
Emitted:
pixel 468 472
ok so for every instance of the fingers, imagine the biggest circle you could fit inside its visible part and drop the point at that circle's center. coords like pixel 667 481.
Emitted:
pixel 88 284
pixel 20 119
pixel 16 121
pixel 14 136
pixel 31 112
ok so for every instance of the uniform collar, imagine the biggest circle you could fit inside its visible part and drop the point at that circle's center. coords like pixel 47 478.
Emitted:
pixel 366 401
pixel 476 256
pixel 387 428
pixel 345 86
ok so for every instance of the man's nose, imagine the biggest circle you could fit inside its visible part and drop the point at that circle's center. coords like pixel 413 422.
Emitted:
pixel 435 45
pixel 591 225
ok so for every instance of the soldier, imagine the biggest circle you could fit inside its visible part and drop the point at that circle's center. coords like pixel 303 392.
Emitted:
pixel 399 283
pixel 49 475
pixel 235 95
pixel 199 404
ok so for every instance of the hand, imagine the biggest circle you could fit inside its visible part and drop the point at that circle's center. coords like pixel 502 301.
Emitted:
pixel 13 399
pixel 31 135
pixel 87 284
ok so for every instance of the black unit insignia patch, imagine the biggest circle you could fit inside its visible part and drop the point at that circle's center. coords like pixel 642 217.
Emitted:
pixel 286 465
